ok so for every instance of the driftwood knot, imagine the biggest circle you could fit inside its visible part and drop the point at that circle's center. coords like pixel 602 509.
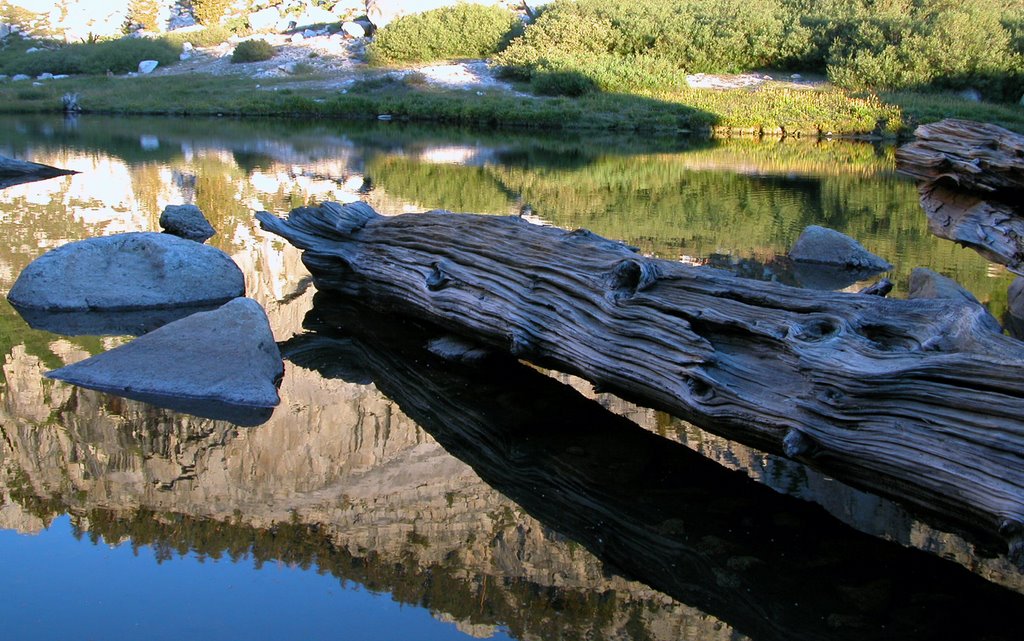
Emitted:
pixel 797 444
pixel 631 276
pixel 438 278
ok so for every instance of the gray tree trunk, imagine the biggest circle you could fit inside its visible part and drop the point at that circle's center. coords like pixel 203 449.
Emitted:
pixel 913 399
pixel 971 179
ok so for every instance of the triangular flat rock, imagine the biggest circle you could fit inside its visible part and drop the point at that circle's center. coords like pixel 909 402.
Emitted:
pixel 226 355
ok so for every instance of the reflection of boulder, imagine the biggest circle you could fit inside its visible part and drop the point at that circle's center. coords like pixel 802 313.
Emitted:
pixel 208 364
pixel 103 323
pixel 16 172
pixel 139 270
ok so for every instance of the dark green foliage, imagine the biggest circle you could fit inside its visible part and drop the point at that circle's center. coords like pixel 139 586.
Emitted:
pixel 682 35
pixel 253 51
pixel 861 44
pixel 562 83
pixel 915 44
pixel 116 56
pixel 460 31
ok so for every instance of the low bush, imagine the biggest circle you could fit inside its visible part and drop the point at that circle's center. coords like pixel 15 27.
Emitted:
pixel 940 44
pixel 253 51
pixel 459 31
pixel 562 83
pixel 690 35
pixel 115 56
pixel 861 44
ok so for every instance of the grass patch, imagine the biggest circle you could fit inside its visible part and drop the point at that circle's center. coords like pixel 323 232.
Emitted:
pixel 920 108
pixel 115 56
pixel 766 110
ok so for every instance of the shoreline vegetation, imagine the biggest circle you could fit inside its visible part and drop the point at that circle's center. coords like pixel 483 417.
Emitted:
pixel 585 65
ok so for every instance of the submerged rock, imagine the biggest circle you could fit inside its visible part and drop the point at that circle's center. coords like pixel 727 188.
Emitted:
pixel 137 270
pixel 925 283
pixel 826 246
pixel 227 356
pixel 186 221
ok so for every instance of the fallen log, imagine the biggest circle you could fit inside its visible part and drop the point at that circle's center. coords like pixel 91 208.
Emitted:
pixel 913 399
pixel 15 172
pixel 971 179
pixel 973 156
pixel 993 228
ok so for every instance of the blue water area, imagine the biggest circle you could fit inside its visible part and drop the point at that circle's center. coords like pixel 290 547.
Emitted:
pixel 56 586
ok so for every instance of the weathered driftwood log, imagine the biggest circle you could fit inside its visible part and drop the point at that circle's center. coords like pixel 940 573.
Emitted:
pixel 769 565
pixel 16 172
pixel 912 399
pixel 993 228
pixel 971 155
pixel 971 179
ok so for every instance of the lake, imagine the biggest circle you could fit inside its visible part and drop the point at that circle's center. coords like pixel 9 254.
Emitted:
pixel 392 495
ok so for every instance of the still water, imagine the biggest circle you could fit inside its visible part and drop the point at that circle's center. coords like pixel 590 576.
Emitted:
pixel 393 496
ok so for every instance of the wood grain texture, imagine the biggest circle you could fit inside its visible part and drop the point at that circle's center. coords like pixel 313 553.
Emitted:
pixel 971 179
pixel 971 155
pixel 992 228
pixel 915 399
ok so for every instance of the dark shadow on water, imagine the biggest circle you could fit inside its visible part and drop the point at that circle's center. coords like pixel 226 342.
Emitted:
pixel 771 566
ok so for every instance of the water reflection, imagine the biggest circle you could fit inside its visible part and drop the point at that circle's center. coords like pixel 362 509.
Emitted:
pixel 770 566
pixel 578 539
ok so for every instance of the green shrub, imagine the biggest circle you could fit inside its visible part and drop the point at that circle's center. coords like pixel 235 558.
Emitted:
pixel 116 56
pixel 562 83
pixel 253 51
pixel 692 35
pixel 460 31
pixel 942 44
pixel 209 12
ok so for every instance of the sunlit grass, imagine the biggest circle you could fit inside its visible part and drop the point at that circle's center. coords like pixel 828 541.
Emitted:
pixel 770 111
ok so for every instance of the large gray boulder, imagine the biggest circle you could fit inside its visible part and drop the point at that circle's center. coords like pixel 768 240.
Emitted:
pixel 925 283
pixel 186 221
pixel 826 246
pixel 138 270
pixel 227 355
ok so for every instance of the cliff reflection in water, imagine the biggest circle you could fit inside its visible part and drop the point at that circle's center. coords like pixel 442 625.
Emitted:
pixel 555 517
